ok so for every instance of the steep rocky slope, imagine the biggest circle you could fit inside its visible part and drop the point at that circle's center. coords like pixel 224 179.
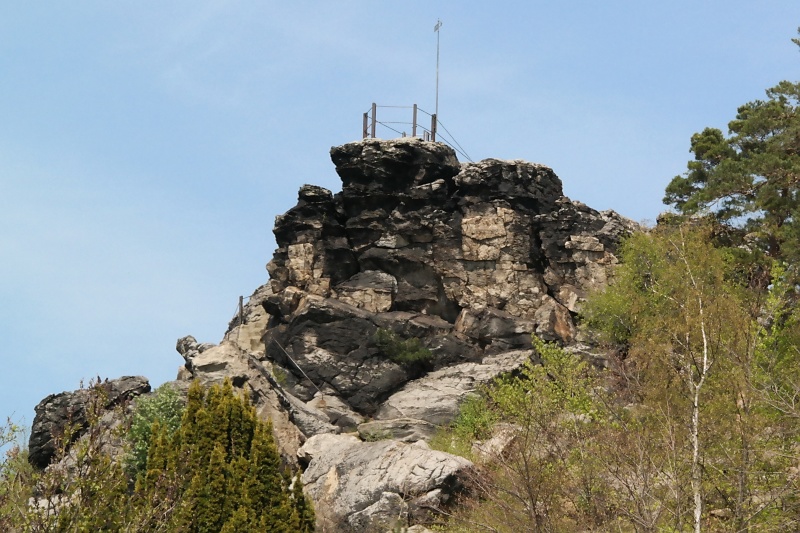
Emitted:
pixel 471 259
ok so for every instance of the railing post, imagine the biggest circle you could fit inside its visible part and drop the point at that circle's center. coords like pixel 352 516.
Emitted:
pixel 414 122
pixel 374 109
pixel 364 131
pixel 433 127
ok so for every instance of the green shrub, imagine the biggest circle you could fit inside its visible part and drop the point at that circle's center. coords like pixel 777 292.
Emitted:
pixel 404 352
pixel 474 422
pixel 16 476
pixel 377 435
pixel 221 471
pixel 166 406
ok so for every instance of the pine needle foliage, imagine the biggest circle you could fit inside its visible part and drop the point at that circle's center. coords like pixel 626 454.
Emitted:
pixel 219 470
pixel 227 469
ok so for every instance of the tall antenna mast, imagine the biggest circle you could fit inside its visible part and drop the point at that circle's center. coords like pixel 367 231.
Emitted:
pixel 436 29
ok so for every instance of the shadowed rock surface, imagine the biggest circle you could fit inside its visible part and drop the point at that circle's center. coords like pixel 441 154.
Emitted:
pixel 57 410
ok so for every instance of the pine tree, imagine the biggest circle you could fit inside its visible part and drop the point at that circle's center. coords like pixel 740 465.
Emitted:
pixel 752 177
pixel 222 470
pixel 302 507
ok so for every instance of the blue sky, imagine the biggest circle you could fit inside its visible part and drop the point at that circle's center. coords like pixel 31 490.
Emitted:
pixel 146 147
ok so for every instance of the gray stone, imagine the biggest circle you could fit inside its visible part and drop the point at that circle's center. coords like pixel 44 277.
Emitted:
pixel 389 512
pixel 56 411
pixel 435 398
pixel 346 476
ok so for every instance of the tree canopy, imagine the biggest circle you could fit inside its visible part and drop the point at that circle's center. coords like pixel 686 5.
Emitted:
pixel 750 178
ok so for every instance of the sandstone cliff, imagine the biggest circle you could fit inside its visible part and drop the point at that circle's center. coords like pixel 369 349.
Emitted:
pixel 471 259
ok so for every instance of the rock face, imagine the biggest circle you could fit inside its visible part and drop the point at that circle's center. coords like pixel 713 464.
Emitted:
pixel 57 410
pixel 470 259
pixel 361 486
pixel 467 260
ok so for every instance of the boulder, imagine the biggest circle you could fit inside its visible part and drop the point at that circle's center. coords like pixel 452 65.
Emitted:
pixel 55 412
pixel 351 480
pixel 435 398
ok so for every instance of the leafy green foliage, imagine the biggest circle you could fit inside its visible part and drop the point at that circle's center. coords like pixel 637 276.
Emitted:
pixel 474 422
pixel 15 476
pixel 538 474
pixel 405 352
pixel 165 405
pixel 693 427
pixel 702 352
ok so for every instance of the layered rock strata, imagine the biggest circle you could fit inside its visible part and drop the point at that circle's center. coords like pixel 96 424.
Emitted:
pixel 471 258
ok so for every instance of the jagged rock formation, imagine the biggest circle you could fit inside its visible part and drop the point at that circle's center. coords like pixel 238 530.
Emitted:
pixel 56 411
pixel 471 259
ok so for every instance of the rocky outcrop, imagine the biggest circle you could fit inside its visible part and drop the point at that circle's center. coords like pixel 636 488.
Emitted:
pixel 57 411
pixel 457 265
pixel 470 259
pixel 425 404
pixel 362 486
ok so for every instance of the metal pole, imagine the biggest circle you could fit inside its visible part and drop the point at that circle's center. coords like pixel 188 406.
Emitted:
pixel 241 310
pixel 364 131
pixel 433 127
pixel 374 108
pixel 436 110
pixel 414 123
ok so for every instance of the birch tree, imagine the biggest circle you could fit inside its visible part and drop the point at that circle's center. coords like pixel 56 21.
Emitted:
pixel 680 319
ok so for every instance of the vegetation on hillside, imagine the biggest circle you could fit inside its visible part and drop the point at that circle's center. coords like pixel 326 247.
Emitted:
pixel 219 470
pixel 695 425
pixel 405 352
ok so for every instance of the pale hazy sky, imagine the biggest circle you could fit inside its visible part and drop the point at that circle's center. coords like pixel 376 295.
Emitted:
pixel 146 147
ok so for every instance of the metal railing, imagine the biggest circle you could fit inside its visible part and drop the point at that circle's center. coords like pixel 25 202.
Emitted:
pixel 371 121
pixel 370 125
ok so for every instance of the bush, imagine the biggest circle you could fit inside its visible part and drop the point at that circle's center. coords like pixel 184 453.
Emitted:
pixel 404 352
pixel 474 422
pixel 221 471
pixel 16 476
pixel 166 406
